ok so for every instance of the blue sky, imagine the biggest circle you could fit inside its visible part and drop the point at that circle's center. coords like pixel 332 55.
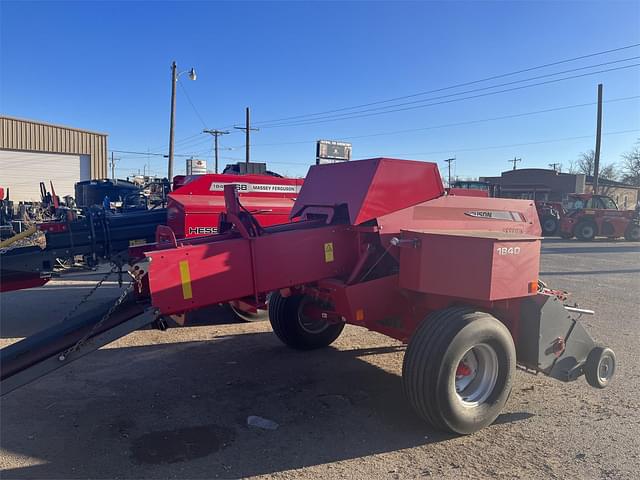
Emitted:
pixel 105 66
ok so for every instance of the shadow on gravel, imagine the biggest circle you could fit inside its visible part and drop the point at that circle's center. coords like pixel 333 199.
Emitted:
pixel 615 248
pixel 180 410
pixel 592 272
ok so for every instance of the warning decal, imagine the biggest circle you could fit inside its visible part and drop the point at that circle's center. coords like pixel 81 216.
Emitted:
pixel 328 252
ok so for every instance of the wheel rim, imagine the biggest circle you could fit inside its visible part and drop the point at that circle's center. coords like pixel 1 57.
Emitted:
pixel 476 375
pixel 250 317
pixel 308 323
pixel 549 225
pixel 605 369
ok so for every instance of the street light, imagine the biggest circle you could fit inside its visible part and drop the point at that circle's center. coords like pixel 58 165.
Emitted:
pixel 174 80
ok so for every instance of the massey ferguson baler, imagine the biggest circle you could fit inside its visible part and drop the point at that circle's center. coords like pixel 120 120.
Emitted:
pixel 376 245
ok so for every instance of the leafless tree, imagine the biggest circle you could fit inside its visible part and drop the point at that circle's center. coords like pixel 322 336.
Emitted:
pixel 631 165
pixel 586 164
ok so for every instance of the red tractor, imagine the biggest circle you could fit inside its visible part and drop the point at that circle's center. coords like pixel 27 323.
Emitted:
pixel 587 216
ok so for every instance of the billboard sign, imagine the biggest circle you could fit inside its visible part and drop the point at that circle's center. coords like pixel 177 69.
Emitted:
pixel 329 151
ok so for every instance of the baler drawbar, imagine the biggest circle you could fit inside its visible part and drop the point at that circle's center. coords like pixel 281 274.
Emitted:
pixel 379 245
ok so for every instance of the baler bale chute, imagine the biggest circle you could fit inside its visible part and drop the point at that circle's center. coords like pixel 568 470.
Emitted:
pixel 377 244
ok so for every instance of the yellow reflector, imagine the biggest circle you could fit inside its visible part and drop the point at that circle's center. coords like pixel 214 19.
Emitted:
pixel 359 315
pixel 185 278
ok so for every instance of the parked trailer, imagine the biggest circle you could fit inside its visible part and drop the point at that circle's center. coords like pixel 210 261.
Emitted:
pixel 376 245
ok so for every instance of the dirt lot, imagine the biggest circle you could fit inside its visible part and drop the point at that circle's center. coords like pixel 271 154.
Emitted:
pixel 174 404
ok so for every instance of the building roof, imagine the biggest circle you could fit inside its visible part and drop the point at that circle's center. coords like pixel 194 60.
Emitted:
pixel 38 122
pixel 609 183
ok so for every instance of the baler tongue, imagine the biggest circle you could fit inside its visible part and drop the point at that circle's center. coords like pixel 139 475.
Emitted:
pixel 369 188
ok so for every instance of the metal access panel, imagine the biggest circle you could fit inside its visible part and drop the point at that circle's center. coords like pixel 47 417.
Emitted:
pixel 369 188
pixel 466 264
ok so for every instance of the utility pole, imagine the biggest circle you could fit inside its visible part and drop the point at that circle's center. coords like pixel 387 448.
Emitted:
pixel 514 161
pixel 555 166
pixel 247 129
pixel 113 166
pixel 449 160
pixel 216 134
pixel 174 80
pixel 596 158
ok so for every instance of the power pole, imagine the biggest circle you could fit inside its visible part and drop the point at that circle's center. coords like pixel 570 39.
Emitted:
pixel 216 134
pixel 514 161
pixel 174 80
pixel 247 129
pixel 113 166
pixel 596 158
pixel 554 166
pixel 449 160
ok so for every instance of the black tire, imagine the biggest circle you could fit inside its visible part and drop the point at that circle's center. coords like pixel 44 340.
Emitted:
pixel 433 360
pixel 633 233
pixel 296 331
pixel 600 367
pixel 549 225
pixel 585 230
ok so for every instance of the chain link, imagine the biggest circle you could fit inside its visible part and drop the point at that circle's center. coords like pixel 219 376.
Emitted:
pixel 88 295
pixel 129 288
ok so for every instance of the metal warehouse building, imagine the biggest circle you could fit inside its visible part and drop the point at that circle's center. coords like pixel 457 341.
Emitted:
pixel 32 152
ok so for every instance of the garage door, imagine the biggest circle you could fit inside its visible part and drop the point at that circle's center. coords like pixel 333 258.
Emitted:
pixel 22 172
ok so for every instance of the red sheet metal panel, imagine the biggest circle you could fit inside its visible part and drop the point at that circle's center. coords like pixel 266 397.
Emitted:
pixel 473 265
pixel 194 208
pixel 369 188
pixel 194 276
pixel 465 213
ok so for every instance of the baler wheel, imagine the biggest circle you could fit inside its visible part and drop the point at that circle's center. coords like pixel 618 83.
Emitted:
pixel 600 367
pixel 297 329
pixel 260 316
pixel 458 369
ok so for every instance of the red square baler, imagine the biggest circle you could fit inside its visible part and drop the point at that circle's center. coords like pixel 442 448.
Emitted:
pixel 378 244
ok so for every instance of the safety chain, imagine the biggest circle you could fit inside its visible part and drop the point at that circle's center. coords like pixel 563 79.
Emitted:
pixel 88 295
pixel 63 356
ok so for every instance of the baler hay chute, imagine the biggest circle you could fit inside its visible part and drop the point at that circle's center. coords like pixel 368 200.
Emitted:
pixel 376 245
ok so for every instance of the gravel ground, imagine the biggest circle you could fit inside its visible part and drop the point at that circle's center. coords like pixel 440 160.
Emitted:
pixel 174 404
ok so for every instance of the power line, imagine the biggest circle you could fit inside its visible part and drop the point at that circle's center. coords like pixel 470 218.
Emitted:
pixel 154 154
pixel 464 84
pixel 455 124
pixel 539 142
pixel 470 97
pixel 191 103
pixel 470 149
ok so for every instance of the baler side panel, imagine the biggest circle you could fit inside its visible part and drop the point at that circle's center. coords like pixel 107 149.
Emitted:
pixel 480 266
pixel 195 276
